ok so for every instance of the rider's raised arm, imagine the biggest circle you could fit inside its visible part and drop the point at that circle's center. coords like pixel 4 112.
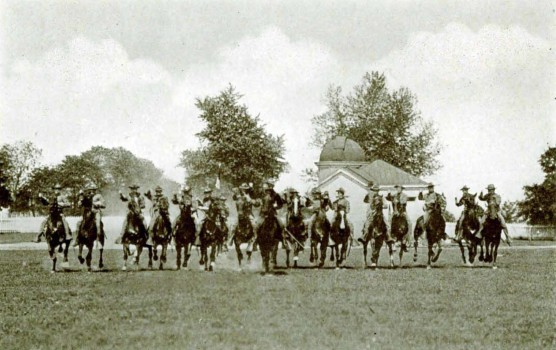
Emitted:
pixel 123 197
pixel 482 197
pixel 175 199
pixel 347 207
pixel 420 197
pixel 149 195
pixel 43 199
pixel 389 197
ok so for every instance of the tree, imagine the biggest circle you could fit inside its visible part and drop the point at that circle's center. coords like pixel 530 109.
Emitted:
pixel 510 210
pixel 539 206
pixel 21 158
pixel 235 145
pixel 5 196
pixel 385 124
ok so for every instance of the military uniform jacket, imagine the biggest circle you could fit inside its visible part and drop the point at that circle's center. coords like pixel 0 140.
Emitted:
pixel 136 202
pixel 271 203
pixel 57 203
pixel 399 201
pixel 431 199
pixel 467 200
pixel 492 198
pixel 184 202
pixel 244 204
pixel 341 204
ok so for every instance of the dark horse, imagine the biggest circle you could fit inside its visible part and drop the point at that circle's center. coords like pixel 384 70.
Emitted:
pixel 268 236
pixel 376 232
pixel 320 234
pixel 184 235
pixel 86 236
pixel 209 236
pixel 161 236
pixel 400 230
pixel 56 237
pixel 492 231
pixel 296 235
pixel 243 233
pixel 469 227
pixel 435 232
pixel 135 233
pixel 340 233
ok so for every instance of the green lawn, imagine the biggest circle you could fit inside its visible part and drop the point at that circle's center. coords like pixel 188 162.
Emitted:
pixel 450 306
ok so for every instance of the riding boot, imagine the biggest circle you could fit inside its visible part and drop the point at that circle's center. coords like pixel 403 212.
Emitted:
pixel 364 237
pixel 38 238
pixel 508 240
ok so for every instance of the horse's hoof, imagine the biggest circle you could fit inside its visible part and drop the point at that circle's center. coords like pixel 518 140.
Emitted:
pixel 160 267
pixel 52 271
pixel 81 260
pixel 124 268
pixel 150 266
pixel 429 267
pixel 65 264
pixel 201 262
pixel 100 265
pixel 494 267
pixel 155 258
pixel 89 269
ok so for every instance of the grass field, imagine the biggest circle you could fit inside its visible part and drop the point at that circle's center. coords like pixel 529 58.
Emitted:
pixel 450 306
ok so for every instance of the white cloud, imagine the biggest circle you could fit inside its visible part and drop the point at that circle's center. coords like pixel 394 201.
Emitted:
pixel 491 94
pixel 91 93
pixel 281 79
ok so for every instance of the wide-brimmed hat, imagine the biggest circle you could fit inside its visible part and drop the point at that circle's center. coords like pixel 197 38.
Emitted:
pixel 375 188
pixel 464 188
pixel 158 189
pixel 90 186
pixel 370 184
pixel 399 186
pixel 293 190
pixel 430 185
pixel 491 187
pixel 341 190
pixel 207 190
pixel 134 187
pixel 269 184
pixel 186 189
pixel 57 187
pixel 244 186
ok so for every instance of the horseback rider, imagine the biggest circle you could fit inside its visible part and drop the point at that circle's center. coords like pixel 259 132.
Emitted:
pixel 243 198
pixel 320 203
pixel 136 203
pixel 209 205
pixel 271 203
pixel 341 206
pixel 432 200
pixel 57 203
pixel 290 203
pixel 184 202
pixel 371 211
pixel 468 201
pixel 92 203
pixel 223 214
pixel 493 198
pixel 399 206
pixel 160 206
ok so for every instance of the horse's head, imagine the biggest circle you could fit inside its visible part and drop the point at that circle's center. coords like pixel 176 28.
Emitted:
pixel 377 204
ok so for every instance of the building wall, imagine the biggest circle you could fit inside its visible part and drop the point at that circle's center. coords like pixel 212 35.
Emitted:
pixel 355 193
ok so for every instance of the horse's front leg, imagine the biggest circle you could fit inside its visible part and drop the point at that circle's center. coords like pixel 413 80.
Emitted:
pixel 437 255
pixel 239 254
pixel 495 254
pixel 163 256
pixel 391 252
pixel 462 249
pixel 89 256
pixel 125 249
pixel 213 252
pixel 80 254
pixel 150 265
pixel 178 255
pixel 52 253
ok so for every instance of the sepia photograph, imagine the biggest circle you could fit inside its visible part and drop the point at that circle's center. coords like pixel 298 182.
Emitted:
pixel 257 174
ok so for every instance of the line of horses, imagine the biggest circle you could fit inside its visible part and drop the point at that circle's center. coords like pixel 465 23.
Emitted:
pixel 323 233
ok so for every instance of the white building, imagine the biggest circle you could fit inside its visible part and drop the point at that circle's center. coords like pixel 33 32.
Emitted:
pixel 342 164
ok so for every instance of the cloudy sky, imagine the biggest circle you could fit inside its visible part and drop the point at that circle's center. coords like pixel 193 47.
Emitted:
pixel 126 73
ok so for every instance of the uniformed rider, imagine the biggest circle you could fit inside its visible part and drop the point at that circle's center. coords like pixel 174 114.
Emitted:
pixel 468 201
pixel 493 198
pixel 135 205
pixel 58 202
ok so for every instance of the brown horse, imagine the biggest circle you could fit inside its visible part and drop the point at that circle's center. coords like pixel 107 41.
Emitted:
pixel 184 235
pixel 435 232
pixel 161 236
pixel 243 233
pixel 340 233
pixel 320 234
pixel 296 235
pixel 492 232
pixel 209 236
pixel 135 234
pixel 86 236
pixel 469 227
pixel 400 229
pixel 376 233
pixel 268 236
pixel 55 235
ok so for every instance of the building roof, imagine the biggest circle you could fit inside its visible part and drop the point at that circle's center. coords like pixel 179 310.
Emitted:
pixel 342 149
pixel 380 173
